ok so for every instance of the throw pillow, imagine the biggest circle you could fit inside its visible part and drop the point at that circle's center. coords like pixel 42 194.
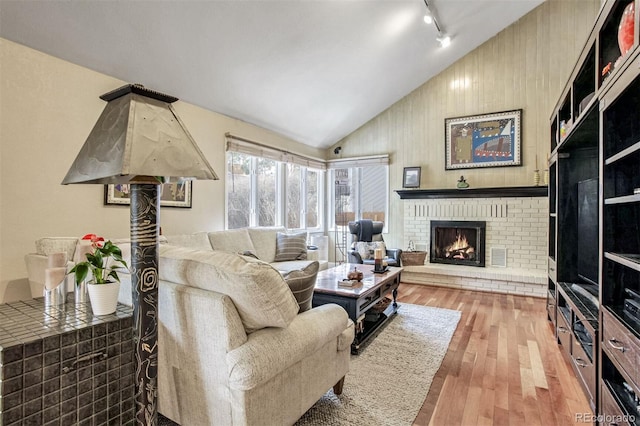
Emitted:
pixel 366 250
pixel 291 246
pixel 302 282
pixel 258 291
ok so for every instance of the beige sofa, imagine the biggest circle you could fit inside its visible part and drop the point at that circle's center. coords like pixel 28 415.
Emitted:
pixel 260 241
pixel 233 349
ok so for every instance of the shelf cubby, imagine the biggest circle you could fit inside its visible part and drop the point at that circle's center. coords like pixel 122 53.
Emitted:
pixel 609 50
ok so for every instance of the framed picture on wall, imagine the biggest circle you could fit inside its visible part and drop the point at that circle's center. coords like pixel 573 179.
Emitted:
pixel 171 194
pixel 411 177
pixel 488 140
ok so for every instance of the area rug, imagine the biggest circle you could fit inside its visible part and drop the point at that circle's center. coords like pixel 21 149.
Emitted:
pixel 389 381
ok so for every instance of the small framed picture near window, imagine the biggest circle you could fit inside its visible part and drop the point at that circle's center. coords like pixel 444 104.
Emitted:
pixel 411 177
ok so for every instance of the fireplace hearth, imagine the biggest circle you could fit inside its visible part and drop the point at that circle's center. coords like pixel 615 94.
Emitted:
pixel 458 242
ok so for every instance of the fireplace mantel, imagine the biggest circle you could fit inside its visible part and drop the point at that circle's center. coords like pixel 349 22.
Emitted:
pixel 509 191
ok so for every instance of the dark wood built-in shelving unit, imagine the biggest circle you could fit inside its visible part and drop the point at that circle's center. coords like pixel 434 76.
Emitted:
pixel 594 219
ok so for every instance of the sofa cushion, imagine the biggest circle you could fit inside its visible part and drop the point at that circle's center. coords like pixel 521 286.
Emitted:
pixel 291 246
pixel 264 241
pixel 198 240
pixel 233 240
pixel 302 282
pixel 48 245
pixel 259 292
pixel 291 265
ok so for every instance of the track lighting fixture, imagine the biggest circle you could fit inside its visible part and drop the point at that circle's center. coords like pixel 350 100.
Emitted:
pixel 444 41
pixel 430 18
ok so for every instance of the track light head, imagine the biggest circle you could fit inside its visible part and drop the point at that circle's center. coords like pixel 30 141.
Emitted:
pixel 444 40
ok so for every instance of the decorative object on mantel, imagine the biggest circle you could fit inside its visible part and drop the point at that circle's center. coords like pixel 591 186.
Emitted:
pixel 139 140
pixel 411 177
pixel 462 183
pixel 487 140
pixel 103 285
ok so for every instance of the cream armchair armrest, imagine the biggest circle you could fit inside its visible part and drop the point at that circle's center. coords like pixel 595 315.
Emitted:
pixel 269 351
pixel 36 266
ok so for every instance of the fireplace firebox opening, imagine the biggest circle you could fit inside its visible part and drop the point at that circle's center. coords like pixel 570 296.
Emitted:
pixel 458 242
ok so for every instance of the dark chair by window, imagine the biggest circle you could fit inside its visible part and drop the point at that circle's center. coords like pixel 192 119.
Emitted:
pixel 366 236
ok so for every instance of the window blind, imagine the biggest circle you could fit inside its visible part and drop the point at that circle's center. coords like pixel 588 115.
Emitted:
pixel 346 163
pixel 256 149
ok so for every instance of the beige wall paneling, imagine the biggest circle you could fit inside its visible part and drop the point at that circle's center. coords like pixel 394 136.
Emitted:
pixel 524 66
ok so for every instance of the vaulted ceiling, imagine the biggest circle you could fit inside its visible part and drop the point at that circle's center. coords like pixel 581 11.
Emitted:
pixel 313 71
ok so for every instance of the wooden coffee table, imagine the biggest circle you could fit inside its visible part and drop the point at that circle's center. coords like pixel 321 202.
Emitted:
pixel 359 300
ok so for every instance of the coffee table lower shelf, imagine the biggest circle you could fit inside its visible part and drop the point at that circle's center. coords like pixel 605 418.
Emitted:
pixel 360 300
pixel 372 328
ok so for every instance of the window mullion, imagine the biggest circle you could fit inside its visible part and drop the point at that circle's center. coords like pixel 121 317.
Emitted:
pixel 303 198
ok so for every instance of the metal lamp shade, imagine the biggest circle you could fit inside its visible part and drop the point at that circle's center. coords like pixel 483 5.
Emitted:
pixel 138 138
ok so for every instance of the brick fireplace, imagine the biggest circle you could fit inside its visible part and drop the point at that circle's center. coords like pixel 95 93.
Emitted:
pixel 515 246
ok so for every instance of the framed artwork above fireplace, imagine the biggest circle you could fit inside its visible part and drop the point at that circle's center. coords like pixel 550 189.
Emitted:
pixel 488 140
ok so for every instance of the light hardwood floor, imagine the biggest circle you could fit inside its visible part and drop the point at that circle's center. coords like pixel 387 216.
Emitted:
pixel 503 366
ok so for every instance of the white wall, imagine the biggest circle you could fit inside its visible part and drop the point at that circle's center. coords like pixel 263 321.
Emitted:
pixel 47 108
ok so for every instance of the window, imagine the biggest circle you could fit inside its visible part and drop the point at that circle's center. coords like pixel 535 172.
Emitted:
pixel 238 190
pixel 359 193
pixel 311 192
pixel 373 192
pixel 255 190
pixel 266 191
pixel 294 204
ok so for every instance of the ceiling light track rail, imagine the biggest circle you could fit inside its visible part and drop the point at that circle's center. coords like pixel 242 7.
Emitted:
pixel 431 18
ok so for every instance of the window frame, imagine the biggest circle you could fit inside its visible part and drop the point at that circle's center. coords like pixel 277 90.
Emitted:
pixel 280 202
pixel 356 187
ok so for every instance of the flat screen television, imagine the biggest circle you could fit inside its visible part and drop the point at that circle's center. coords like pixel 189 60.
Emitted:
pixel 587 242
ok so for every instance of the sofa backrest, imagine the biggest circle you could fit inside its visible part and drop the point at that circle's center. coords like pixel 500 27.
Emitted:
pixel 232 240
pixel 197 240
pixel 259 292
pixel 264 242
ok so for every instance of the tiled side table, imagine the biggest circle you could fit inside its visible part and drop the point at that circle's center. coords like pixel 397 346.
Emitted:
pixel 65 366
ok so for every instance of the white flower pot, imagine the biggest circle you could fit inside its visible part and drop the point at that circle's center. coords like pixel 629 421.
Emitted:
pixel 103 297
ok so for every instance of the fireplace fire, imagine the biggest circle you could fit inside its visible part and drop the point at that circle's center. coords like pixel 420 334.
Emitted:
pixel 458 242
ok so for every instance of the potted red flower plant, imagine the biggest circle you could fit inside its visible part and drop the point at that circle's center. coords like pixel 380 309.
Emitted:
pixel 103 262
